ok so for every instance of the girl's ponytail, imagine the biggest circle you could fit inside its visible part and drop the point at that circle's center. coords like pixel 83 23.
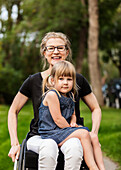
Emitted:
pixel 46 84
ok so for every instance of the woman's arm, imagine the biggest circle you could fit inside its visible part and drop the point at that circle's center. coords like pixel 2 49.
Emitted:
pixel 54 107
pixel 92 103
pixel 15 108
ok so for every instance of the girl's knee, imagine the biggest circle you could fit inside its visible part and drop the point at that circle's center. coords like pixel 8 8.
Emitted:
pixel 85 134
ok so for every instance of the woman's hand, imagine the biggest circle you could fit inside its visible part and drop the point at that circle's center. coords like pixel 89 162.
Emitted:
pixel 14 152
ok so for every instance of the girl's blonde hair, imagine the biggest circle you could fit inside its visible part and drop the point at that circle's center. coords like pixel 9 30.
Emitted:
pixel 62 68
pixel 55 35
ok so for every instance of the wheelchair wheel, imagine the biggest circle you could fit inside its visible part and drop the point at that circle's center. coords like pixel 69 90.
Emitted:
pixel 16 164
pixel 19 164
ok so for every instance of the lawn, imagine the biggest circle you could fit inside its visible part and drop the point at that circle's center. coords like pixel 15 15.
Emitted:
pixel 24 119
pixel 109 134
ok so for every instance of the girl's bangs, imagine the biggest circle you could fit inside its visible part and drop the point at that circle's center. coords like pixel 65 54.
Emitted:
pixel 65 71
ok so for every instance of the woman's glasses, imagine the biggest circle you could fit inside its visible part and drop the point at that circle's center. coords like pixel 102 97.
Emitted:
pixel 60 48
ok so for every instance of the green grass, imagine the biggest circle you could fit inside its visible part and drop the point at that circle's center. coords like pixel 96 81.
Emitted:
pixel 24 119
pixel 109 134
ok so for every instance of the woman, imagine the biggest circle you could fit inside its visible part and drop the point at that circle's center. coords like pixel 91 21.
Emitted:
pixel 54 47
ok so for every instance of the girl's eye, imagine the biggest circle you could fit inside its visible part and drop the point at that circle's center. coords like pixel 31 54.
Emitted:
pixel 60 78
pixel 69 79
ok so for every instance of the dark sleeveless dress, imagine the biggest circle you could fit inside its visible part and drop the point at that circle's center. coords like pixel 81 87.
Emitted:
pixel 47 127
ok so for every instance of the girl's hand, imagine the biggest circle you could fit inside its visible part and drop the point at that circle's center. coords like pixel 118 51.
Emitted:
pixel 73 125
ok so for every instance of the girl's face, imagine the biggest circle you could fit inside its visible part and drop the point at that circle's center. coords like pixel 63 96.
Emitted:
pixel 55 55
pixel 63 84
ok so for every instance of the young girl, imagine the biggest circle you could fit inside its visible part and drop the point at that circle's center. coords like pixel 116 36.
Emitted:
pixel 57 118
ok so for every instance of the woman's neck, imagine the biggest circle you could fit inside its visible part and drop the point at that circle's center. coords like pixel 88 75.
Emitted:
pixel 46 73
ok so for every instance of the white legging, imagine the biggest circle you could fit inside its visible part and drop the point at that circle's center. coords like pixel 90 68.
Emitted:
pixel 48 152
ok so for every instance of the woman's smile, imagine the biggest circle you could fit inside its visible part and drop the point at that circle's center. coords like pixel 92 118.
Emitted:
pixel 56 57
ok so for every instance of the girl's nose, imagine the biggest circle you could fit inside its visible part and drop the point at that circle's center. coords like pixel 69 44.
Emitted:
pixel 65 81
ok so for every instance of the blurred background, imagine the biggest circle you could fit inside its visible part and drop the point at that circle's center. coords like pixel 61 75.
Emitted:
pixel 23 24
pixel 94 30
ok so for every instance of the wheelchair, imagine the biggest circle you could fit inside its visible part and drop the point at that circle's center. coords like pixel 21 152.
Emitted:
pixel 28 160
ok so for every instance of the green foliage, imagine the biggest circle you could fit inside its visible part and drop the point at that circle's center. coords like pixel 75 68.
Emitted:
pixel 20 42
pixel 19 47
pixel 10 80
pixel 110 26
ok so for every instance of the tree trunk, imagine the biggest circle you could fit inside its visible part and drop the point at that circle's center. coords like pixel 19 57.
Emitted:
pixel 20 17
pixel 94 68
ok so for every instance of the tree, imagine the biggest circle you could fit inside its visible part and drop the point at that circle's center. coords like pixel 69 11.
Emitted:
pixel 22 36
pixel 93 59
pixel 82 38
pixel 116 58
pixel 110 33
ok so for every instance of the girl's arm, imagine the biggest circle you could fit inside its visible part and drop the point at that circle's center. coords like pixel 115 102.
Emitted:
pixel 51 100
pixel 73 120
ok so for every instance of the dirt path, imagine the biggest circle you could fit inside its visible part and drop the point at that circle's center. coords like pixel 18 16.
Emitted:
pixel 109 164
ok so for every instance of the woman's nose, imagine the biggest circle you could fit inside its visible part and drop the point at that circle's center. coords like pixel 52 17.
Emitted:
pixel 55 50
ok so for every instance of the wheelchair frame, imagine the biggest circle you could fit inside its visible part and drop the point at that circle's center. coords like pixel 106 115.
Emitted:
pixel 28 160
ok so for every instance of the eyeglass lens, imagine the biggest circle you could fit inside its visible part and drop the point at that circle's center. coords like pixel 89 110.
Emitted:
pixel 52 48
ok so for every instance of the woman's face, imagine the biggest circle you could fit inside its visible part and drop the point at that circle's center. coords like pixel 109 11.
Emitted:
pixel 53 56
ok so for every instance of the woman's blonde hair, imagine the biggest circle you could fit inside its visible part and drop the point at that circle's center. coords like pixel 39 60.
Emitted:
pixel 62 68
pixel 55 35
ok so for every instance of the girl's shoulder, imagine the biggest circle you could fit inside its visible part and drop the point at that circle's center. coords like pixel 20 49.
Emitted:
pixel 50 96
pixel 53 92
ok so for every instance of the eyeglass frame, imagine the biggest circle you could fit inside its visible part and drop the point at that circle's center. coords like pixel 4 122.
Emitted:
pixel 56 47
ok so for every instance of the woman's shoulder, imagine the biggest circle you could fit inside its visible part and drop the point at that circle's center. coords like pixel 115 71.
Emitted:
pixel 34 79
pixel 78 76
pixel 80 79
pixel 35 76
pixel 31 84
